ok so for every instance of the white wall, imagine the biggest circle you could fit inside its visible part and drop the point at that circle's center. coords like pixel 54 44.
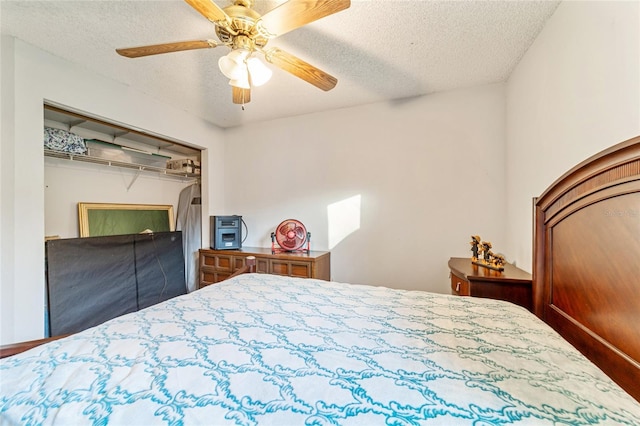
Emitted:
pixel 66 183
pixel 575 92
pixel 429 172
pixel 30 77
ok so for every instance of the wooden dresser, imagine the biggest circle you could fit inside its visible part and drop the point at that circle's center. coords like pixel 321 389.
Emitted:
pixel 513 284
pixel 216 265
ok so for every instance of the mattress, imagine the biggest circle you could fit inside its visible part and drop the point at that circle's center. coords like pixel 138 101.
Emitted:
pixel 265 349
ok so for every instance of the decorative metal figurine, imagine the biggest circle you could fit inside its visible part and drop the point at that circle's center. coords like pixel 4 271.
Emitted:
pixel 475 242
pixel 489 259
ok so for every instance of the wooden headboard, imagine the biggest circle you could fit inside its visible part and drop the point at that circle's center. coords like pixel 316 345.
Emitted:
pixel 587 260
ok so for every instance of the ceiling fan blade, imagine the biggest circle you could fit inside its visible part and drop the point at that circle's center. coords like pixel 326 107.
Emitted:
pixel 155 49
pixel 211 11
pixel 241 96
pixel 296 13
pixel 300 69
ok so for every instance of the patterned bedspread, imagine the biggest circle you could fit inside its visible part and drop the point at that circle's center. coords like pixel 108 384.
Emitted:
pixel 261 349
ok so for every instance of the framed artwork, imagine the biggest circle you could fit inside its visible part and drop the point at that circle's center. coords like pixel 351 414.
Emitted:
pixel 100 219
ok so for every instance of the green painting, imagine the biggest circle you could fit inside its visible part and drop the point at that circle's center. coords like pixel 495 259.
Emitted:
pixel 98 219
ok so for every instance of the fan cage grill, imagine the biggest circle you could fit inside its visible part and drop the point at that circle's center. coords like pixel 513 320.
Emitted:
pixel 290 236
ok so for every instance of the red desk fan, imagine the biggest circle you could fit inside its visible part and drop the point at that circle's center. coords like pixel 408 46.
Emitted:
pixel 291 236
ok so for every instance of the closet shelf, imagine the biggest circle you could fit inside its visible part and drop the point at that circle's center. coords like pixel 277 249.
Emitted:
pixel 121 164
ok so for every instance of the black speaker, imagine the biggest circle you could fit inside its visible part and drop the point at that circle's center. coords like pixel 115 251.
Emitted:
pixel 226 232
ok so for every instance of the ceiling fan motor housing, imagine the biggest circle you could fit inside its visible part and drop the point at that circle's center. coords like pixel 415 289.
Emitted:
pixel 241 32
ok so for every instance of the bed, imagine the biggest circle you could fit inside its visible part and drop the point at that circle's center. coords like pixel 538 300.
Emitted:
pixel 586 260
pixel 267 349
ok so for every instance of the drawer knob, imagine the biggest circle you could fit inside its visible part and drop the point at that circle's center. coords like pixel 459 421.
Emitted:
pixel 458 286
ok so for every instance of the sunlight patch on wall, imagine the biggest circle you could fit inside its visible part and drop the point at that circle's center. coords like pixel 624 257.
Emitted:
pixel 344 219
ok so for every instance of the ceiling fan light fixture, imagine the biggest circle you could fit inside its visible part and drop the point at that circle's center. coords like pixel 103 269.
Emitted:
pixel 233 65
pixel 242 82
pixel 258 71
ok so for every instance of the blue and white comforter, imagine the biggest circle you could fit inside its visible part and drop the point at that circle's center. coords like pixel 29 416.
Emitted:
pixel 261 349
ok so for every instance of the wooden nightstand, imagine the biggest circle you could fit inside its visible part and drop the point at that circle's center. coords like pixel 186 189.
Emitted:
pixel 513 284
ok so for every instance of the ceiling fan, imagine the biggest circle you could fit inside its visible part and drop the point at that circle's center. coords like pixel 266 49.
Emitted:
pixel 247 33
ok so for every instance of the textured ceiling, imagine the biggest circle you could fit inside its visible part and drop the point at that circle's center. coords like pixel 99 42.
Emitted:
pixel 378 50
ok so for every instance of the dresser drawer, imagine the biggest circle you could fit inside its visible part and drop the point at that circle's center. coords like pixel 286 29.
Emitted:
pixel 292 269
pixel 210 276
pixel 224 263
pixel 262 265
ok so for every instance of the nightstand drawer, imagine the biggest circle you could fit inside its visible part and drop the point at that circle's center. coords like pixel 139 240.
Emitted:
pixel 459 287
